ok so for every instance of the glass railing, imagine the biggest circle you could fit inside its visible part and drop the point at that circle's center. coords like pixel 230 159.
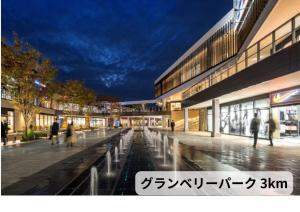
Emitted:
pixel 281 38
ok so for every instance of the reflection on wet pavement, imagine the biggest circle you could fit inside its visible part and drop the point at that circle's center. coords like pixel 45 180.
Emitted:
pixel 191 153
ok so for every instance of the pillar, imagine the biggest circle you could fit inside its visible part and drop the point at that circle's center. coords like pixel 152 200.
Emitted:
pixel 215 118
pixel 144 122
pixel 186 119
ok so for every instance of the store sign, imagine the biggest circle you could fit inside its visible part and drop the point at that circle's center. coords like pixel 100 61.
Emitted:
pixel 286 97
pixel 175 106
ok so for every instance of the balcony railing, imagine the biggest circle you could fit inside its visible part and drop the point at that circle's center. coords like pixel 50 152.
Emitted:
pixel 279 39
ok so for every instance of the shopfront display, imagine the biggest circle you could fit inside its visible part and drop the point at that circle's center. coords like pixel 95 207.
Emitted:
pixel 43 121
pixel 8 117
pixel 78 122
pixel 286 111
pixel 235 118
pixel 97 122
pixel 262 108
pixel 224 120
pixel 289 120
pixel 247 115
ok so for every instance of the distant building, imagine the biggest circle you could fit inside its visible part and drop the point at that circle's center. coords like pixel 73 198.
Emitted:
pixel 141 113
pixel 95 116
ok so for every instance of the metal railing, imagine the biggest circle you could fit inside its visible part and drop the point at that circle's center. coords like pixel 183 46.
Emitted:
pixel 279 39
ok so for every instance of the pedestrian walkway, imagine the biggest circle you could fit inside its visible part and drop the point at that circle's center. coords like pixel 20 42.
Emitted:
pixel 233 153
pixel 25 159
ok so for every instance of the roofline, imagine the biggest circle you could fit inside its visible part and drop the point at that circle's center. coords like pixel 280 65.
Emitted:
pixel 137 102
pixel 207 35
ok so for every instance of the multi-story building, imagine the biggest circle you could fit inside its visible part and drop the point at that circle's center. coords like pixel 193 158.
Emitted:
pixel 142 113
pixel 248 62
pixel 89 117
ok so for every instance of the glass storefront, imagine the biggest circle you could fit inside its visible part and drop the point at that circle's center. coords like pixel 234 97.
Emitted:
pixel 97 122
pixel 235 118
pixel 286 111
pixel 78 122
pixel 9 119
pixel 43 122
pixel 262 108
pixel 247 115
pixel 224 120
pixel 288 118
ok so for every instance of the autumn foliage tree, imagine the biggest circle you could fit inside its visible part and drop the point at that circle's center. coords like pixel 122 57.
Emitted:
pixel 25 73
pixel 76 93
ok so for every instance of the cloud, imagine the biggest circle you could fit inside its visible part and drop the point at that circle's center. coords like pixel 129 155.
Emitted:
pixel 116 47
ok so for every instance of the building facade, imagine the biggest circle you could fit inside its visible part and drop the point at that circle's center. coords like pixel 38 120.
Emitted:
pixel 247 63
pixel 142 113
pixel 46 113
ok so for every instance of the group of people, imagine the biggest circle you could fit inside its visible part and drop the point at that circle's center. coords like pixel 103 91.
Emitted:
pixel 70 135
pixel 254 128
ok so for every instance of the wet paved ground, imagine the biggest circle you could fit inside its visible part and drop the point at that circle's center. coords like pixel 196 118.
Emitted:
pixel 196 152
pixel 21 161
pixel 236 153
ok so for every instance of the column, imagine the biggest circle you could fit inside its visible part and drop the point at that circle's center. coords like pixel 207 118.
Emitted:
pixel 186 119
pixel 215 118
pixel 144 122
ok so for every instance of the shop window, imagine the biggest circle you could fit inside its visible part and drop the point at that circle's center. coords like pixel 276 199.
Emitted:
pixel 224 126
pixel 246 117
pixel 235 119
pixel 9 118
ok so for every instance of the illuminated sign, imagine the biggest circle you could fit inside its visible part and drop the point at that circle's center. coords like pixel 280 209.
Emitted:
pixel 286 97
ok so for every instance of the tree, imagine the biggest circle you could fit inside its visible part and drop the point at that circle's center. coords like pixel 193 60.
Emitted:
pixel 75 92
pixel 26 75
pixel 90 99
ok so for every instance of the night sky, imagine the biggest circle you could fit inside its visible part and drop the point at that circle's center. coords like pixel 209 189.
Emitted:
pixel 117 47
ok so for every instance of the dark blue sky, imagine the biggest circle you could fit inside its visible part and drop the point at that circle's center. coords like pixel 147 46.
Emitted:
pixel 117 47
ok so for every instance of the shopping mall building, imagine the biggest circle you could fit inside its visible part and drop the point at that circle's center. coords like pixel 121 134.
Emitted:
pixel 248 62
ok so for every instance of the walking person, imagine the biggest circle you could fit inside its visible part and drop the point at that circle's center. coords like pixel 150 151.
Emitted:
pixel 172 125
pixel 71 137
pixel 54 132
pixel 254 128
pixel 4 131
pixel 272 128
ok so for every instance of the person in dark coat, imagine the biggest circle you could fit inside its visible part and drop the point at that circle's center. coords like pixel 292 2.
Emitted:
pixel 272 128
pixel 4 131
pixel 254 128
pixel 172 125
pixel 54 132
